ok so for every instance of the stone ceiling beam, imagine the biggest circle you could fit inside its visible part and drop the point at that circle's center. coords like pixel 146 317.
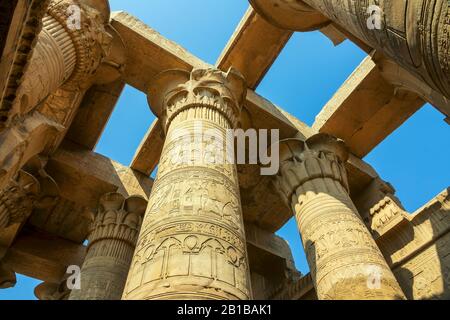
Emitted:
pixel 83 176
pixel 148 153
pixel 149 54
pixel 414 34
pixel 366 109
pixel 253 47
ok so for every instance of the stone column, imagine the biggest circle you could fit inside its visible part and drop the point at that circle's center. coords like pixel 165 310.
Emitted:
pixel 192 244
pixel 344 259
pixel 112 241
pixel 68 51
pixel 415 34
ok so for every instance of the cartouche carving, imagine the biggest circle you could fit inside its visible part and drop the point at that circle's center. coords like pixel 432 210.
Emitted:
pixel 192 244
pixel 112 241
pixel 344 260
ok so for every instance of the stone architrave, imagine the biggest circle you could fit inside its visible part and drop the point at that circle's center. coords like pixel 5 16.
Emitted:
pixel 192 244
pixel 112 241
pixel 344 260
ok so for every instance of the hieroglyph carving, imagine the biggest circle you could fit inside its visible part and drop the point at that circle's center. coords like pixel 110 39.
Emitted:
pixel 344 260
pixel 112 241
pixel 192 244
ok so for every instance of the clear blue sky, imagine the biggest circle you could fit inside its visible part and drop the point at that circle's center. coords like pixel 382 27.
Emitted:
pixel 415 159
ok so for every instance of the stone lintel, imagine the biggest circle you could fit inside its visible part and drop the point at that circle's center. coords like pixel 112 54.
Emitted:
pixel 271 244
pixel 93 113
pixel 149 53
pixel 83 176
pixel 366 109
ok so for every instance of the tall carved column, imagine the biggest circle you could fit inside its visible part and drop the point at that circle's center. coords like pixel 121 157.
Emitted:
pixel 344 259
pixel 111 245
pixel 192 244
pixel 415 34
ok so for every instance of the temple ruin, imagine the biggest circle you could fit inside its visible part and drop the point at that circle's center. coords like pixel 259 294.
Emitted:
pixel 207 231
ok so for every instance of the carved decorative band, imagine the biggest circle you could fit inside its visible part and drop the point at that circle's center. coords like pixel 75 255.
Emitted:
pixel 113 231
pixel 16 201
pixel 111 247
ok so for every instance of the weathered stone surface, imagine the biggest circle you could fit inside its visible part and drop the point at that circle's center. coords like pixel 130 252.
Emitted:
pixel 20 26
pixel 414 34
pixel 344 260
pixel 192 244
pixel 366 109
pixel 209 229
pixel 112 241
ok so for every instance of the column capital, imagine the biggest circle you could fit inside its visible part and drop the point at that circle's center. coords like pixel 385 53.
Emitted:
pixel 174 91
pixel 7 277
pixel 118 218
pixel 52 291
pixel 320 156
pixel 112 241
pixel 90 37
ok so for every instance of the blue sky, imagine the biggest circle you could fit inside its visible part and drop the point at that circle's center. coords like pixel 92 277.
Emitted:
pixel 309 70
